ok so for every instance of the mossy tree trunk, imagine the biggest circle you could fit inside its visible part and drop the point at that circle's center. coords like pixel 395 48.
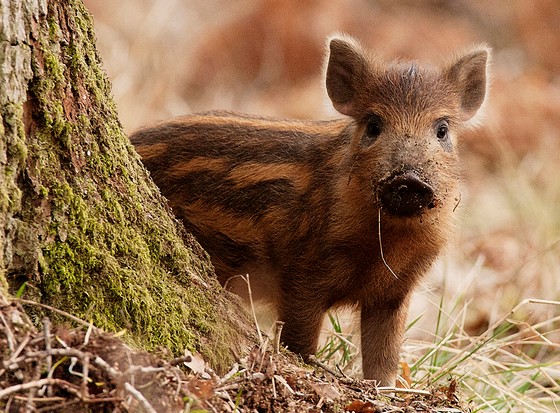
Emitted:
pixel 83 227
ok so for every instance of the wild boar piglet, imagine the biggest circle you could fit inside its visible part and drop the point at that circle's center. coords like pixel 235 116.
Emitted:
pixel 328 213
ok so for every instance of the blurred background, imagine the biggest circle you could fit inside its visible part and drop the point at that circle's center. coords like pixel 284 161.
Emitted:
pixel 169 57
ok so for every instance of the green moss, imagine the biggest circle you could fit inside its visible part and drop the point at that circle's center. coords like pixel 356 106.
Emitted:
pixel 13 137
pixel 102 242
pixel 53 68
pixel 54 29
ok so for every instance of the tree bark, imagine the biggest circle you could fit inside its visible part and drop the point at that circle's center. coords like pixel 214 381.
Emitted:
pixel 84 228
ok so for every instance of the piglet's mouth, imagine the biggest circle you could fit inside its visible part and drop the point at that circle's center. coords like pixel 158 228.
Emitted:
pixel 406 195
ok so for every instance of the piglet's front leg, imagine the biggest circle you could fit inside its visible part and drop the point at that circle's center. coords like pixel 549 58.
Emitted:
pixel 382 327
pixel 302 319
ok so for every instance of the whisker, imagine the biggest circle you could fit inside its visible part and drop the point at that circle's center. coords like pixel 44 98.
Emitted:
pixel 381 244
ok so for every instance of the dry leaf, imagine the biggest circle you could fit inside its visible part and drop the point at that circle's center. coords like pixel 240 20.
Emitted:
pixel 358 406
pixel 201 389
pixel 405 379
pixel 197 363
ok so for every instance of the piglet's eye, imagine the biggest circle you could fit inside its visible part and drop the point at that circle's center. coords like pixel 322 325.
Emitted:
pixel 442 130
pixel 442 133
pixel 373 129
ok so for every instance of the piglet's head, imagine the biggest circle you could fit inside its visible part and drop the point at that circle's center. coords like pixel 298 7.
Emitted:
pixel 407 119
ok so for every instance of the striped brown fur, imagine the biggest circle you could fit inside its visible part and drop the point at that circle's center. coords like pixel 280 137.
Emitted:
pixel 305 208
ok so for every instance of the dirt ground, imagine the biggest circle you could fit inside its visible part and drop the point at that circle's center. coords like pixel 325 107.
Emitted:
pixel 83 369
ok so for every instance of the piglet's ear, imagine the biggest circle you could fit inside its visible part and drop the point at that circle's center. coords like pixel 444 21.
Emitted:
pixel 347 71
pixel 468 76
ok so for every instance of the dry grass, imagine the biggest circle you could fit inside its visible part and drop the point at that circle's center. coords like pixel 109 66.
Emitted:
pixel 170 57
pixel 510 367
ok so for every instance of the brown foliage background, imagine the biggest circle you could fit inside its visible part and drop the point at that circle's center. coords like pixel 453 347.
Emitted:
pixel 168 57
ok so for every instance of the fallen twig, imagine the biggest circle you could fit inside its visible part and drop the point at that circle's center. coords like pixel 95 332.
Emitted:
pixel 346 380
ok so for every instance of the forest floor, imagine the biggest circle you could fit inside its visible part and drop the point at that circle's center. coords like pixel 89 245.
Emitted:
pixel 60 369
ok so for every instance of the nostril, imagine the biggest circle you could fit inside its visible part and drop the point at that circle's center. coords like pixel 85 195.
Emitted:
pixel 406 195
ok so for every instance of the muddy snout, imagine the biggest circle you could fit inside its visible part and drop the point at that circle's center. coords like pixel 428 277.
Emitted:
pixel 406 194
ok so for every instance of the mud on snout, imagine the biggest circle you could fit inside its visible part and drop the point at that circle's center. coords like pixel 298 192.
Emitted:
pixel 406 194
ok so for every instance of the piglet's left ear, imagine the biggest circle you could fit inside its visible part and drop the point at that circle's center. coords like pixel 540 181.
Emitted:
pixel 468 76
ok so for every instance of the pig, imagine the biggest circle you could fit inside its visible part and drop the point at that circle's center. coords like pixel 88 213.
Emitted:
pixel 320 214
